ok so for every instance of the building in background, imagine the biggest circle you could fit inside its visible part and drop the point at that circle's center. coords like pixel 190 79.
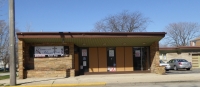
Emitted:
pixel 195 42
pixel 190 53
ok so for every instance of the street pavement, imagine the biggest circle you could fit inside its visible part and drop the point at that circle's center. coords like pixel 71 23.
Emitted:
pixel 162 84
pixel 114 80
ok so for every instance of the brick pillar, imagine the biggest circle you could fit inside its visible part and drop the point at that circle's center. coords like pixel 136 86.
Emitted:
pixel 71 52
pixel 71 69
pixel 154 56
pixel 20 59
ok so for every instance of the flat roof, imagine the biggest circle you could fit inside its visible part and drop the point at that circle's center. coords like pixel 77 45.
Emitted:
pixel 179 49
pixel 93 39
pixel 77 34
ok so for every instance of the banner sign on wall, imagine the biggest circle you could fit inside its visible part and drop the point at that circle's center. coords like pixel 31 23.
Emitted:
pixel 49 51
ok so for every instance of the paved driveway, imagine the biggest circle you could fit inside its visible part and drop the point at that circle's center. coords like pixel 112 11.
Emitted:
pixel 183 71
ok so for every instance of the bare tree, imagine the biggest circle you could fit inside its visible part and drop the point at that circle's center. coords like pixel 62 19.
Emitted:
pixel 28 27
pixel 180 34
pixel 122 22
pixel 163 44
pixel 4 43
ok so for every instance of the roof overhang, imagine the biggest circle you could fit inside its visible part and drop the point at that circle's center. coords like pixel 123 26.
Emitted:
pixel 179 49
pixel 93 39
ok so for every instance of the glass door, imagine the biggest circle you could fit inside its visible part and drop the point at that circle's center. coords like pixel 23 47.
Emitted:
pixel 111 60
pixel 140 58
pixel 83 60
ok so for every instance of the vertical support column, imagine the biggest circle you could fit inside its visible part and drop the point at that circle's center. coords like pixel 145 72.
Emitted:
pixel 72 66
pixel 76 61
pixel 71 52
pixel 154 56
pixel 21 59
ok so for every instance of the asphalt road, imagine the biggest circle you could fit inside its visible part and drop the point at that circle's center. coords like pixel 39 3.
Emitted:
pixel 183 71
pixel 167 84
pixel 178 84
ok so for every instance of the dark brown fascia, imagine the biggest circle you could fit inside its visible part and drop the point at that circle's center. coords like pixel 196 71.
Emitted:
pixel 189 47
pixel 179 48
pixel 87 34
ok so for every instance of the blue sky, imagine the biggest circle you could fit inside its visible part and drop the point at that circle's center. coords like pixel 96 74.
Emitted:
pixel 81 15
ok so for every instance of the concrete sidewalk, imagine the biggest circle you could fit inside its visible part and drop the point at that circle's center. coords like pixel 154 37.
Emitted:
pixel 3 74
pixel 107 79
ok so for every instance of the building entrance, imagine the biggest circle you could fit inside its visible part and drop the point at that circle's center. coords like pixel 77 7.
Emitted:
pixel 111 59
pixel 83 61
pixel 141 58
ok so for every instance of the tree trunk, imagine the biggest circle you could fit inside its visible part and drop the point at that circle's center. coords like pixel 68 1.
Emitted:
pixel 4 65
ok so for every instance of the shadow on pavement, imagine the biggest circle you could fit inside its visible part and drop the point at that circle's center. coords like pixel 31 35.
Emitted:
pixel 183 71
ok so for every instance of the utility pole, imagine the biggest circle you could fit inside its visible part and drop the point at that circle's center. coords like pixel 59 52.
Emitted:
pixel 12 42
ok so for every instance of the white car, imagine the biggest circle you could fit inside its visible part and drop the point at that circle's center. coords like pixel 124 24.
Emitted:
pixel 167 66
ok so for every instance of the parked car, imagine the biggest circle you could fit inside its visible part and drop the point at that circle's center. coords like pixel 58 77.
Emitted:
pixel 2 69
pixel 179 64
pixel 164 64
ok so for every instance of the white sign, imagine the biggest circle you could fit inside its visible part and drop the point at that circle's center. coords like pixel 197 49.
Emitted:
pixel 137 53
pixel 111 53
pixel 84 52
pixel 84 63
pixel 50 51
pixel 59 50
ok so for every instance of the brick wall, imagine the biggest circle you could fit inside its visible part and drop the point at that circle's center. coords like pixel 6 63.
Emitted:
pixel 186 56
pixel 21 59
pixel 154 56
pixel 43 67
pixel 197 43
pixel 35 73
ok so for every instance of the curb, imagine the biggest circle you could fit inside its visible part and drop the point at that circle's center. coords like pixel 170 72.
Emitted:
pixel 147 83
pixel 60 85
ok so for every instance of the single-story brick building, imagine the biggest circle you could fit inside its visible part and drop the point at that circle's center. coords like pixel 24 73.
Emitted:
pixel 63 54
